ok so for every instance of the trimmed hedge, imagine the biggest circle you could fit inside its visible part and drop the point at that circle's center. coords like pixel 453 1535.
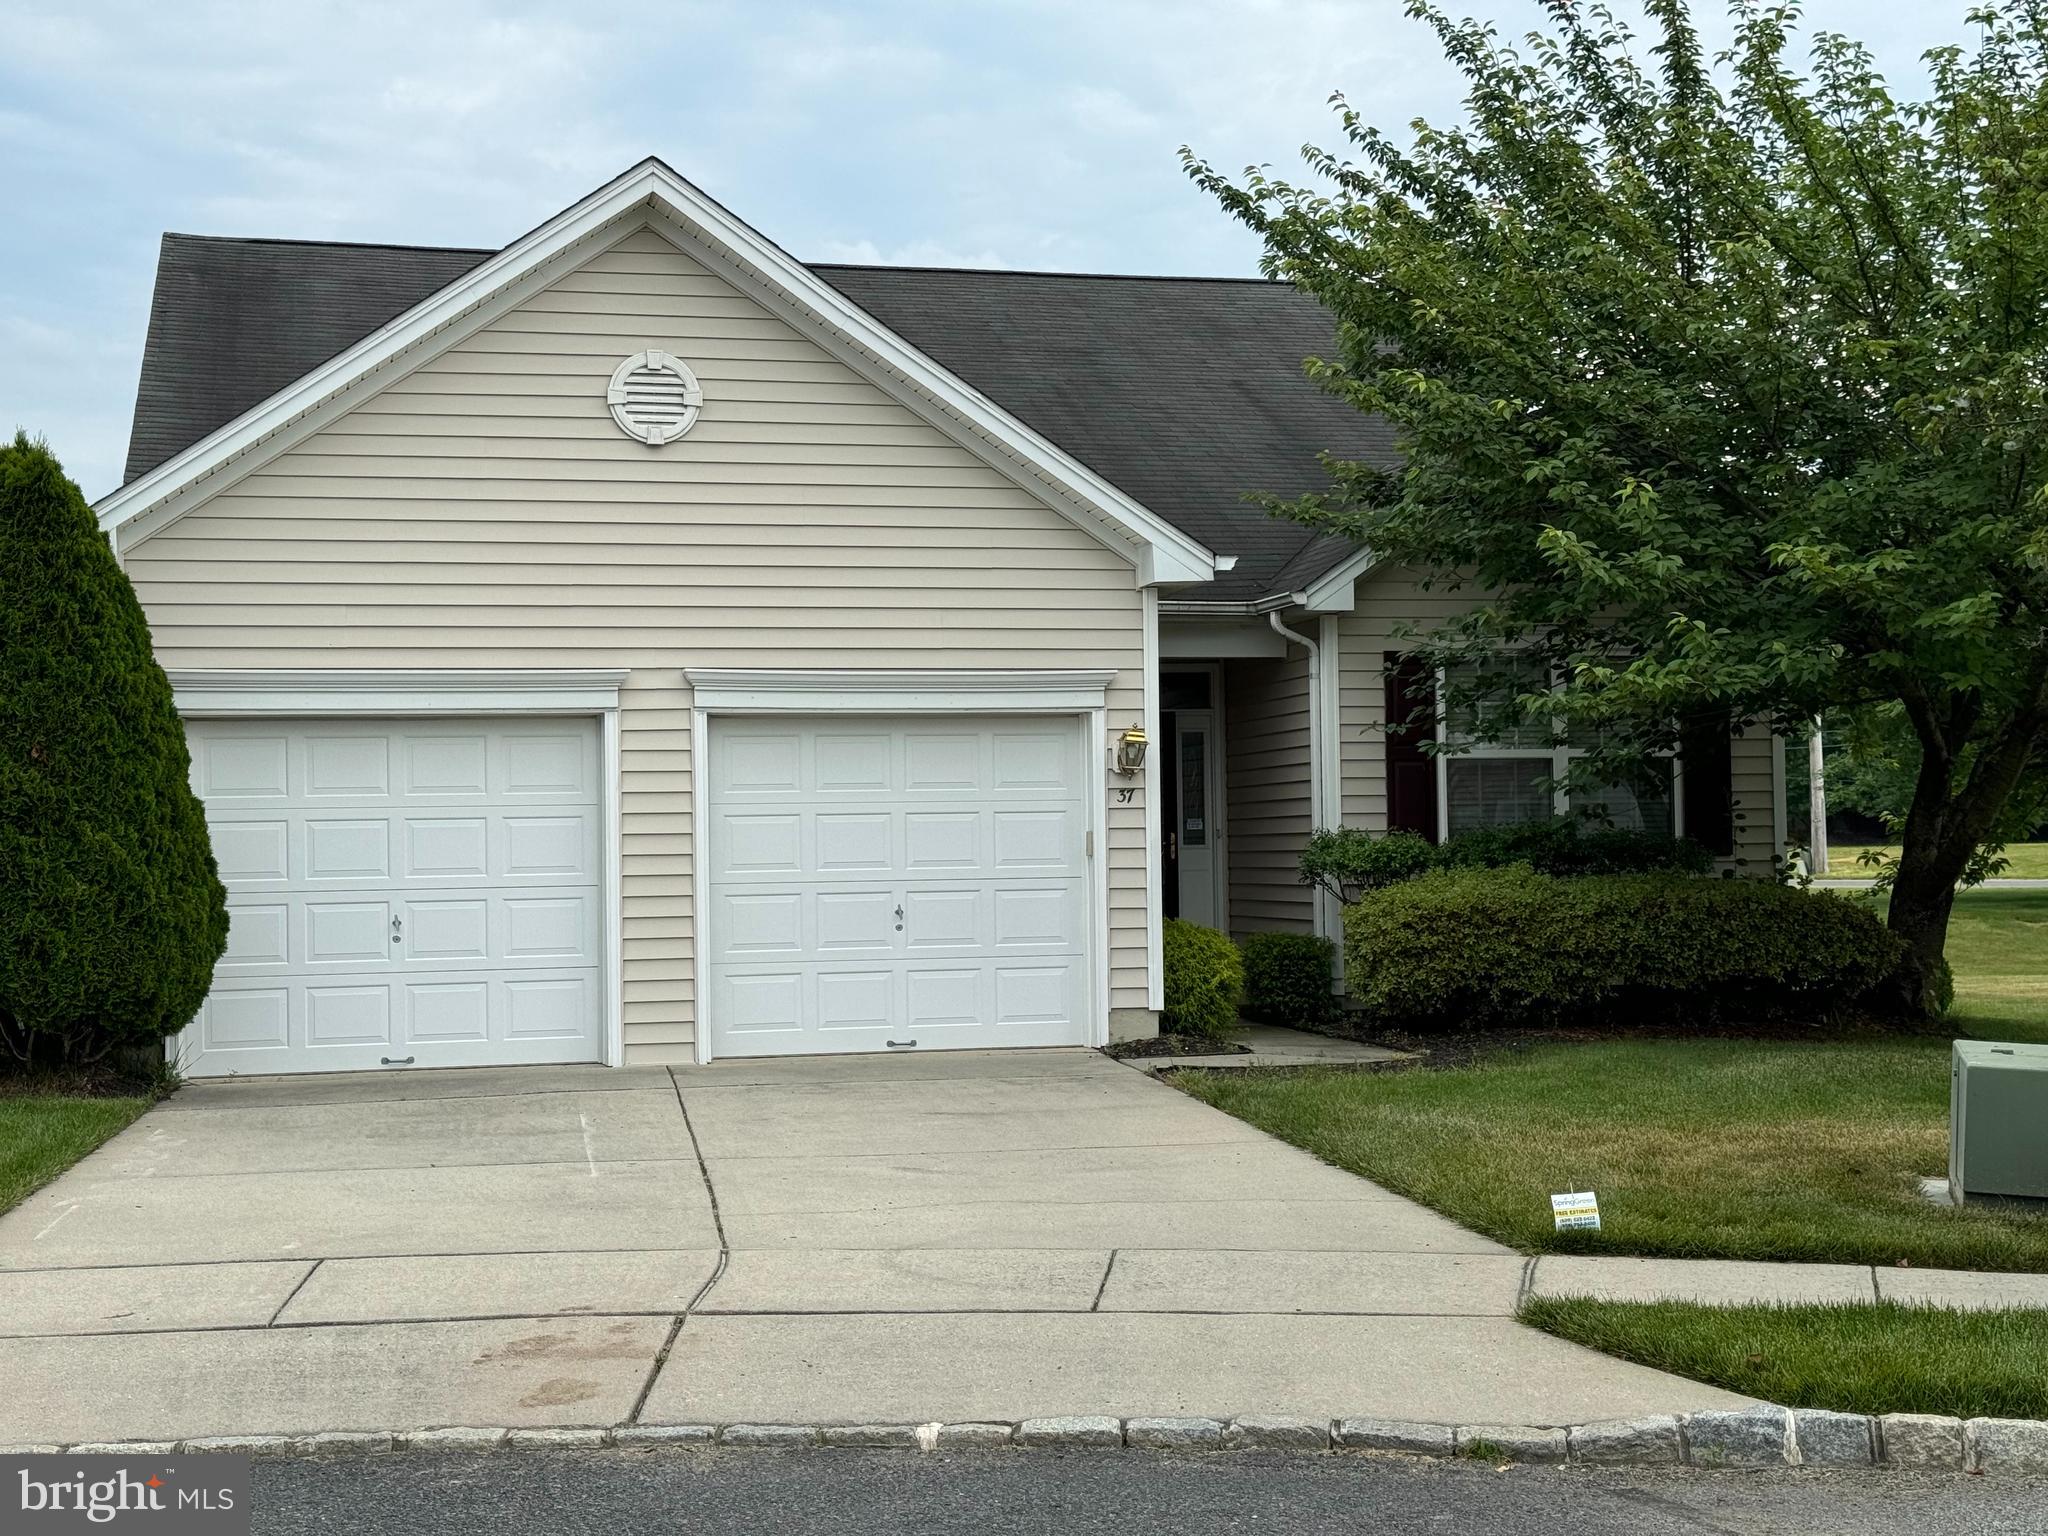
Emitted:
pixel 1474 948
pixel 112 913
pixel 1287 979
pixel 1204 979
pixel 1348 861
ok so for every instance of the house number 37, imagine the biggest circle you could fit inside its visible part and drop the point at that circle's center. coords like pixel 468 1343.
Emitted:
pixel 1124 796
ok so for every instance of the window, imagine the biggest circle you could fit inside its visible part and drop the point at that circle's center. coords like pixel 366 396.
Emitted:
pixel 1510 768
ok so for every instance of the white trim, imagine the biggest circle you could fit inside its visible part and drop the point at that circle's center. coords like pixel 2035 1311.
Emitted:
pixel 1155 877
pixel 1780 828
pixel 1092 721
pixel 900 691
pixel 611 760
pixel 1336 591
pixel 1327 745
pixel 1160 551
pixel 286 693
pixel 1096 766
pixel 204 692
pixel 700 879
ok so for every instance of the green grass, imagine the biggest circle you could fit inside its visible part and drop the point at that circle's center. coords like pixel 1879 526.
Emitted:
pixel 2024 861
pixel 43 1134
pixel 1851 1357
pixel 1713 1148
pixel 1697 1148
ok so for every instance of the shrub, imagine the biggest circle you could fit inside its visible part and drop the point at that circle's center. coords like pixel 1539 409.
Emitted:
pixel 1204 979
pixel 1561 846
pixel 1287 979
pixel 1349 862
pixel 1470 948
pixel 111 910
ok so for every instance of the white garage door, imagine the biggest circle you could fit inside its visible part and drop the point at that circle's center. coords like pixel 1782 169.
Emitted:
pixel 420 893
pixel 897 884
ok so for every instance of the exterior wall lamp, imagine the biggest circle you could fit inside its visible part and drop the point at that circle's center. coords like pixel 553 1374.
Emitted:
pixel 1130 751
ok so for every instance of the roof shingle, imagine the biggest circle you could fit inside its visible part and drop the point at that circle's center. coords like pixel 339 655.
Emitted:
pixel 1185 393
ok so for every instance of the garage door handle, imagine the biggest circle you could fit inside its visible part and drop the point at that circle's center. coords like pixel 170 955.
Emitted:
pixel 898 1044
pixel 406 1061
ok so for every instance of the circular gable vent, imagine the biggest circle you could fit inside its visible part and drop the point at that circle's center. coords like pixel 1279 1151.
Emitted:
pixel 654 398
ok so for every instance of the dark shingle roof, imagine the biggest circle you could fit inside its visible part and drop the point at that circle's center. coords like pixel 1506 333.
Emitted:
pixel 1185 393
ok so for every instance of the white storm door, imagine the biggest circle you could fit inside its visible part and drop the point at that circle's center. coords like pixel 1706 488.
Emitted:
pixel 415 893
pixel 897 884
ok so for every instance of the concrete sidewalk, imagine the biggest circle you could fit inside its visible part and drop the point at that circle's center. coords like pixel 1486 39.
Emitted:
pixel 981 1235
pixel 1728 1282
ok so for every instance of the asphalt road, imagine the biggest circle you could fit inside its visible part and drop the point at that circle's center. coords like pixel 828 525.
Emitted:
pixel 1127 1492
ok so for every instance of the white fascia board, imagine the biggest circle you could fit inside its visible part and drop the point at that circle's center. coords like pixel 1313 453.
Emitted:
pixel 308 692
pixel 905 691
pixel 1161 552
pixel 1337 590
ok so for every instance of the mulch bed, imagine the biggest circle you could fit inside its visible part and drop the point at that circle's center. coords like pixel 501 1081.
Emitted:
pixel 1175 1045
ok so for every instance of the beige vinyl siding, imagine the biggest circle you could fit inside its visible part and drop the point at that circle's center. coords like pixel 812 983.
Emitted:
pixel 1267 797
pixel 483 510
pixel 1391 609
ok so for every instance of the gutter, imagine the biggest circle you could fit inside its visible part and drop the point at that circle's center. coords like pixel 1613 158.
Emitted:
pixel 1187 607
pixel 1319 729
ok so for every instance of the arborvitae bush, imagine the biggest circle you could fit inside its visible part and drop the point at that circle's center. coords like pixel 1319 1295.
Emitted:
pixel 112 912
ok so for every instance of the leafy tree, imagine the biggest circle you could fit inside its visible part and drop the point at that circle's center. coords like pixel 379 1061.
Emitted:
pixel 111 911
pixel 1724 377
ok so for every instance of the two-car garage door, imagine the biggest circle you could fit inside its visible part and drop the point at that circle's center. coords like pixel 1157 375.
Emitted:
pixel 430 892
pixel 423 893
pixel 897 884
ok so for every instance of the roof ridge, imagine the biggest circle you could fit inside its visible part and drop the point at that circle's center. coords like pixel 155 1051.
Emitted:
pixel 357 245
pixel 1108 277
pixel 815 266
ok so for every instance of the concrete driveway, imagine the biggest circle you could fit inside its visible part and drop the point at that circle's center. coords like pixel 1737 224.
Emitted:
pixel 975 1236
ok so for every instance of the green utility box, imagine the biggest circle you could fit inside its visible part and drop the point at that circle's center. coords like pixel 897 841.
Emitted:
pixel 1998 1122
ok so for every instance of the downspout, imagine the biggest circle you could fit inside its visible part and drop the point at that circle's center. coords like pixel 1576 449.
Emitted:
pixel 1317 728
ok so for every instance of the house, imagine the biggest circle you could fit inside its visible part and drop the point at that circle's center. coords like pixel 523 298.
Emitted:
pixel 634 645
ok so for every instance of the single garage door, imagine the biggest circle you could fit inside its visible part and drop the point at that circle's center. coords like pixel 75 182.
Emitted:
pixel 401 893
pixel 897 884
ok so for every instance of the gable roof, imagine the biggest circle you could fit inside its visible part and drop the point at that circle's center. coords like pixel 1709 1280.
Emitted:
pixel 1180 394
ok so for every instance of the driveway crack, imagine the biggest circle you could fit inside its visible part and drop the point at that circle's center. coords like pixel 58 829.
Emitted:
pixel 1107 1270
pixel 717 1270
pixel 294 1296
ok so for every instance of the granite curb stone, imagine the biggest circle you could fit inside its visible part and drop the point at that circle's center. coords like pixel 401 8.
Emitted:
pixel 1920 1441
pixel 1740 1437
pixel 1174 1434
pixel 1276 1432
pixel 2007 1445
pixel 1827 1439
pixel 1647 1441
pixel 1760 1436
pixel 1394 1435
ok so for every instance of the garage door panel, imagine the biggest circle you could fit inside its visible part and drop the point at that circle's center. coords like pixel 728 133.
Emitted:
pixel 402 890
pixel 872 883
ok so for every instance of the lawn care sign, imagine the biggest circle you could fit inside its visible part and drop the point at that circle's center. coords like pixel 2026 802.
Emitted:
pixel 1577 1212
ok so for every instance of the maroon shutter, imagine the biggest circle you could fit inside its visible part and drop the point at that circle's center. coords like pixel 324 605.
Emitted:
pixel 1706 758
pixel 1411 722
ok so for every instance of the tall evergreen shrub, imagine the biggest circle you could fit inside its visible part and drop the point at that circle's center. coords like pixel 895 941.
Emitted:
pixel 112 912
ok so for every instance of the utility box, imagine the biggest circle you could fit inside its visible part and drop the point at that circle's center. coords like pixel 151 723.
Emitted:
pixel 1998 1122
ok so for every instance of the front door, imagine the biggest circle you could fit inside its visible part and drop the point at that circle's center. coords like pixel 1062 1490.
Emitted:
pixel 1192 833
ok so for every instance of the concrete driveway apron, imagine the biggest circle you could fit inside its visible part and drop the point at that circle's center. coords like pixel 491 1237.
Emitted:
pixel 981 1235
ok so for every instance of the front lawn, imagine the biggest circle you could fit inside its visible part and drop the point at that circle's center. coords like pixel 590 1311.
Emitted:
pixel 1740 1149
pixel 43 1134
pixel 1851 1357
pixel 2024 861
pixel 1701 1148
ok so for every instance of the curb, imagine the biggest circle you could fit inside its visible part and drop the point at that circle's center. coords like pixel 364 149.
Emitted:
pixel 1760 1437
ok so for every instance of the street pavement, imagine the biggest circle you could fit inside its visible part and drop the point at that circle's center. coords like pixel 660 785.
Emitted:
pixel 1129 1493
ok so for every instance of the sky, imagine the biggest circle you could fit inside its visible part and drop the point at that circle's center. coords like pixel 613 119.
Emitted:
pixel 1037 134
